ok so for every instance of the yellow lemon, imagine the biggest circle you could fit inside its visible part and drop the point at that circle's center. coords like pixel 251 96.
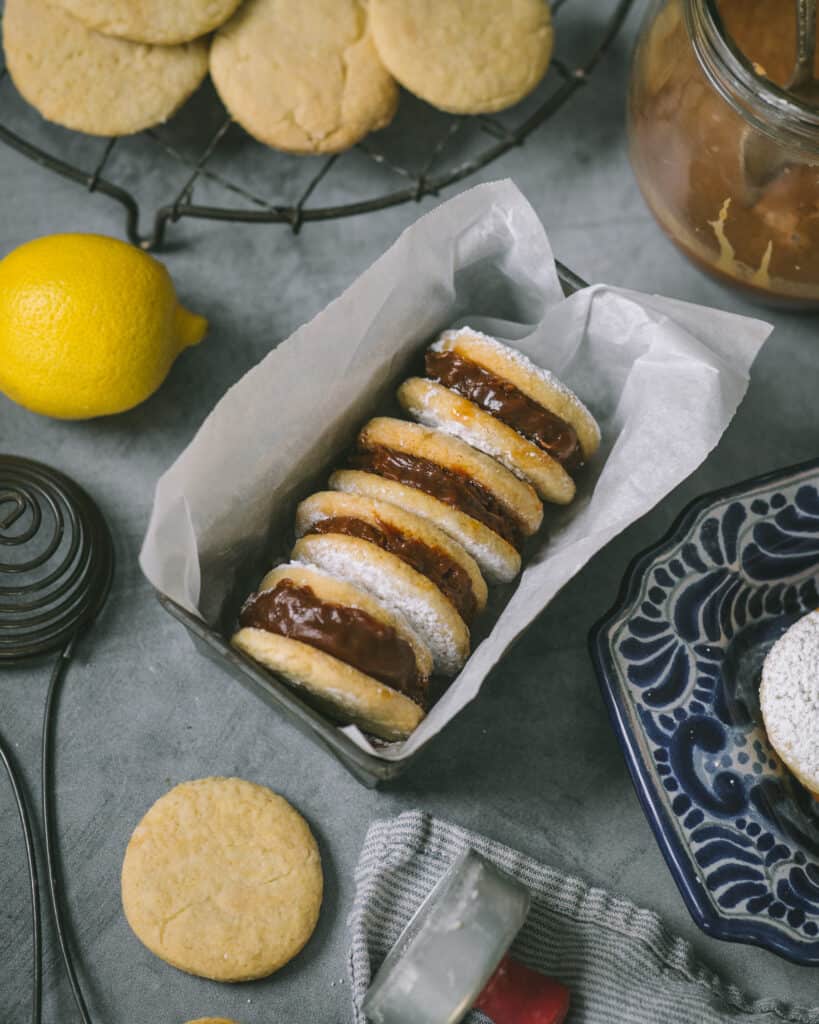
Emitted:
pixel 89 325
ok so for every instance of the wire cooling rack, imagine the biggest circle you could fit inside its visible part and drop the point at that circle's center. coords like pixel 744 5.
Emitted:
pixel 238 179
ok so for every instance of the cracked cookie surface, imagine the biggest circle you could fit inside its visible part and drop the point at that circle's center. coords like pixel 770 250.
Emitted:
pixel 464 56
pixel 222 878
pixel 302 75
pixel 90 82
pixel 151 21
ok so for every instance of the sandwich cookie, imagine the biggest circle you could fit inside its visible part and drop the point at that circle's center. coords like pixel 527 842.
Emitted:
pixel 93 83
pixel 454 473
pixel 464 56
pixel 496 399
pixel 302 75
pixel 211 1020
pixel 498 561
pixel 222 878
pixel 351 656
pixel 403 590
pixel 414 540
pixel 151 21
pixel 789 699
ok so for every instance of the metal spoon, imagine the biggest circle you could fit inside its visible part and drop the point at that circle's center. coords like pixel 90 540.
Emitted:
pixel 763 158
pixel 451 956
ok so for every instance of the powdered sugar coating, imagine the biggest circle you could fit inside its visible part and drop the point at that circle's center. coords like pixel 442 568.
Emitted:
pixel 527 366
pixel 789 697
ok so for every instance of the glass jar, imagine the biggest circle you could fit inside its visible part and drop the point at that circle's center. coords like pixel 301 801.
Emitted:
pixel 706 99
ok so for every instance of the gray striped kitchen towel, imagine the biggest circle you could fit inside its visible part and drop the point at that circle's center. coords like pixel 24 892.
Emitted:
pixel 619 961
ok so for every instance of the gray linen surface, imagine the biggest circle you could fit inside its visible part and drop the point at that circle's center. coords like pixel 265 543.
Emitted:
pixel 619 961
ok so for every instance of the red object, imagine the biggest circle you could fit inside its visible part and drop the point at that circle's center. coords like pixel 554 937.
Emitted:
pixel 517 995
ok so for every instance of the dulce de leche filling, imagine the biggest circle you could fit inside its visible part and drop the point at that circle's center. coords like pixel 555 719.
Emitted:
pixel 349 634
pixel 450 577
pixel 447 485
pixel 509 404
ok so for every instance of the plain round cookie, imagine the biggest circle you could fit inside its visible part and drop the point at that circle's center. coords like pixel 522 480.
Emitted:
pixel 464 56
pixel 90 82
pixel 517 496
pixel 222 878
pixel 336 591
pixel 302 75
pixel 334 687
pixel 436 406
pixel 151 21
pixel 495 557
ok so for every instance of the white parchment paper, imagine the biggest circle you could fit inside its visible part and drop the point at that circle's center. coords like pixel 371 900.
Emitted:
pixel 662 377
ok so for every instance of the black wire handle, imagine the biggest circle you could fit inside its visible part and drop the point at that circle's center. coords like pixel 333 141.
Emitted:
pixel 53 584
pixel 55 890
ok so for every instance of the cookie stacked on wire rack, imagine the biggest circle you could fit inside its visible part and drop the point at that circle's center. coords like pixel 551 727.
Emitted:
pixel 393 561
pixel 304 76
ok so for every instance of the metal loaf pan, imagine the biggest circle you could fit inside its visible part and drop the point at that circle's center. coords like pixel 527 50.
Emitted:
pixel 268 687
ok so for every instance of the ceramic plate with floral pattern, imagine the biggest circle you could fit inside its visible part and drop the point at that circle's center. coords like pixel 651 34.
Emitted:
pixel 679 660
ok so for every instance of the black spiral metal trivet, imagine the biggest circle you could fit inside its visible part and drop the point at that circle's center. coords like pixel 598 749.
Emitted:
pixel 56 563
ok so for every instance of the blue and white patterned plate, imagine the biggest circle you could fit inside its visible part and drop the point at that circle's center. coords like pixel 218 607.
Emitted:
pixel 678 659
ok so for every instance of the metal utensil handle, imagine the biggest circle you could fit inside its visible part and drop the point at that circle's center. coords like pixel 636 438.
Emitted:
pixel 805 42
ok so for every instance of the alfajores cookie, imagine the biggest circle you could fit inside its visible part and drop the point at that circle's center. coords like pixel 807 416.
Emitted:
pixel 494 398
pixel 211 1020
pixel 92 83
pixel 350 655
pixel 222 878
pixel 464 56
pixel 436 406
pixel 513 378
pixel 414 540
pixel 403 590
pixel 302 75
pixel 451 471
pixel 151 21
pixel 789 699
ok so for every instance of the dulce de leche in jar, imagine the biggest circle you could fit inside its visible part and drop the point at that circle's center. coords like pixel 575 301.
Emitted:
pixel 727 157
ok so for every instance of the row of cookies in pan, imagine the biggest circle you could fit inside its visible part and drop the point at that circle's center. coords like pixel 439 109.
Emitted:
pixel 305 76
pixel 392 562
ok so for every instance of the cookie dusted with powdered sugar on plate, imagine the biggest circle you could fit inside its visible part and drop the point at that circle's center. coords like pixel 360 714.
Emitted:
pixel 351 656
